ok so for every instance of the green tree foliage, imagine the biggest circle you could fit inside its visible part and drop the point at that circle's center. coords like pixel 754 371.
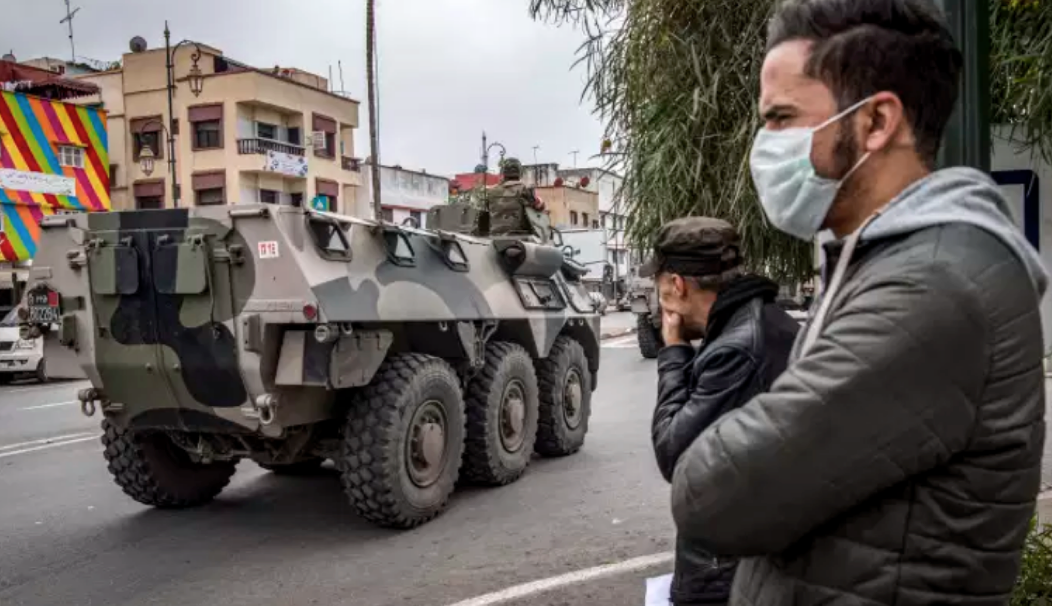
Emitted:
pixel 1034 587
pixel 676 84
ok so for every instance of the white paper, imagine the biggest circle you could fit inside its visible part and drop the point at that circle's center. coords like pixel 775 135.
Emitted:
pixel 38 183
pixel 658 591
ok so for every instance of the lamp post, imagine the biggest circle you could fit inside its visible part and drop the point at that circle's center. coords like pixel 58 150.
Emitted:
pixel 147 157
pixel 197 82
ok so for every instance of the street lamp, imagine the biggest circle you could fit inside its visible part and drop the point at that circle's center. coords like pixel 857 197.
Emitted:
pixel 196 80
pixel 146 161
pixel 147 156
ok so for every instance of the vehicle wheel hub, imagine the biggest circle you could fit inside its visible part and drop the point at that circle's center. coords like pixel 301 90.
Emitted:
pixel 573 398
pixel 512 416
pixel 427 444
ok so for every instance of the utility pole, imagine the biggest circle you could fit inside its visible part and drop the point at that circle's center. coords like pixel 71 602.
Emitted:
pixel 69 21
pixel 575 152
pixel 535 148
pixel 967 138
pixel 374 135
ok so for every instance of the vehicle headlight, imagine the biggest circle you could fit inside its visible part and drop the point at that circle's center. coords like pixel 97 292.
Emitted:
pixel 24 344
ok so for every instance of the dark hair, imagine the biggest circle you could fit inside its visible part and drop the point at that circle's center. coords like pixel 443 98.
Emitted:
pixel 866 46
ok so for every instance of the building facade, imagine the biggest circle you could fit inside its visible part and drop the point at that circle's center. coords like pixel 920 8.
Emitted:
pixel 611 216
pixel 404 194
pixel 249 135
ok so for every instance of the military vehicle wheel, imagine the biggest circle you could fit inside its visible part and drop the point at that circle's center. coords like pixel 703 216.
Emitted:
pixel 649 337
pixel 403 441
pixel 566 399
pixel 299 468
pixel 502 408
pixel 151 469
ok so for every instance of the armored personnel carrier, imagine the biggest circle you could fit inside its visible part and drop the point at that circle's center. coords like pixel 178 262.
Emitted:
pixel 409 357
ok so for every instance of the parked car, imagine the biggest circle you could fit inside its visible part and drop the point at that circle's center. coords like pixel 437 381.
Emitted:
pixel 19 357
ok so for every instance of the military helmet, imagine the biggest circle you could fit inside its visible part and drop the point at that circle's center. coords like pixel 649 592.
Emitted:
pixel 511 169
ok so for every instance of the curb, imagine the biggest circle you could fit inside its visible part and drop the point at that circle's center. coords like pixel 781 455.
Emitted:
pixel 606 336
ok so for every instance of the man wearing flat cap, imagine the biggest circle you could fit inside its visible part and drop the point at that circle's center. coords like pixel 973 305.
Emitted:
pixel 705 294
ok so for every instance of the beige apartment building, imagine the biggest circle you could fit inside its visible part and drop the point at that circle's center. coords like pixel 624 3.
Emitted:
pixel 251 135
pixel 570 207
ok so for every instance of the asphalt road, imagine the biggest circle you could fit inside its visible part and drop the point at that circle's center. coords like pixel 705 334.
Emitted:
pixel 69 536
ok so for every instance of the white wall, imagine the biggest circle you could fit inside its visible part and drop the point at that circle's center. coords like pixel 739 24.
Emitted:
pixel 1006 155
pixel 403 190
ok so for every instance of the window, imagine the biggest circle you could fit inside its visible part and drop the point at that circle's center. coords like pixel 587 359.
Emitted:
pixel 206 197
pixel 595 224
pixel 584 219
pixel 387 214
pixel 266 131
pixel 69 155
pixel 268 196
pixel 573 217
pixel 207 134
pixel 416 217
pixel 297 199
pixel 149 202
pixel 113 174
pixel 294 135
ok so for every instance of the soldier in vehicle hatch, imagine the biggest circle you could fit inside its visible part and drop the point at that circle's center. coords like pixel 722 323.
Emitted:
pixel 514 207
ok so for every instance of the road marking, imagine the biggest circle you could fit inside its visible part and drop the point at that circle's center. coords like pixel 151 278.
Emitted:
pixel 571 578
pixel 35 445
pixel 39 406
pixel 46 446
pixel 43 387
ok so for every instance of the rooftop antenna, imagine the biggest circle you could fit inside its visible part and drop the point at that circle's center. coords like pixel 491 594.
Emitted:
pixel 331 84
pixel 535 148
pixel 339 65
pixel 575 152
pixel 69 20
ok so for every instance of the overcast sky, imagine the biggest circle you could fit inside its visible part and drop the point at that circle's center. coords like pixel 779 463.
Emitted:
pixel 449 69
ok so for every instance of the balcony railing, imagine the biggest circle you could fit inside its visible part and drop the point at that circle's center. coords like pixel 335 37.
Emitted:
pixel 353 164
pixel 262 146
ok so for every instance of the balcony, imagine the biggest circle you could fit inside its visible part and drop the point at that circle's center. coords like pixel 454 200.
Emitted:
pixel 262 146
pixel 351 164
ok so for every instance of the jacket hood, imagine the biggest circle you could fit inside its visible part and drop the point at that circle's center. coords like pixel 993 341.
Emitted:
pixel 958 195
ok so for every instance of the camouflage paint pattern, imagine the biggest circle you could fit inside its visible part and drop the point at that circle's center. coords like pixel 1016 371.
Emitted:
pixel 180 314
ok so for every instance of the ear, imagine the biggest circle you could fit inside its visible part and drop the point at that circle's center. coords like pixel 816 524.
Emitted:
pixel 882 122
pixel 679 285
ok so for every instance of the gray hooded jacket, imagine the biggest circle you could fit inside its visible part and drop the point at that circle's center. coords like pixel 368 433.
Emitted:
pixel 899 460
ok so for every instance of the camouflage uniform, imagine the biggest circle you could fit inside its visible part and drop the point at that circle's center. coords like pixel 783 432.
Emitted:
pixel 514 208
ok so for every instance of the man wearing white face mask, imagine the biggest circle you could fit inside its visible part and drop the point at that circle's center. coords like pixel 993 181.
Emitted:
pixel 897 460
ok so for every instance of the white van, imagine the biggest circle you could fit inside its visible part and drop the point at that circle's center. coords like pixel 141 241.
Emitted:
pixel 19 357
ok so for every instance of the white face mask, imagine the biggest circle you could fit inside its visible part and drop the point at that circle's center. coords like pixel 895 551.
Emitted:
pixel 795 199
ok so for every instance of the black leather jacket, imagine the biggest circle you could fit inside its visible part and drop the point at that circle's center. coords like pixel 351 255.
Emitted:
pixel 747 346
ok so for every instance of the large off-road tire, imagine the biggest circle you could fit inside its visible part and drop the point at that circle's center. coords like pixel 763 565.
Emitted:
pixel 502 407
pixel 403 441
pixel 566 399
pixel 649 337
pixel 151 469
pixel 41 371
pixel 306 467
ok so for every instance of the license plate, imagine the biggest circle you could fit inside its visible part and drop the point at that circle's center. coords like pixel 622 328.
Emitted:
pixel 43 306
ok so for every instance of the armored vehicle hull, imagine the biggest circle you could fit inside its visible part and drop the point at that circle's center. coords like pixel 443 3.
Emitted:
pixel 410 358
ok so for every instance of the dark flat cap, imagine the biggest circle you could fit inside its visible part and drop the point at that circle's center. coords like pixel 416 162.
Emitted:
pixel 701 247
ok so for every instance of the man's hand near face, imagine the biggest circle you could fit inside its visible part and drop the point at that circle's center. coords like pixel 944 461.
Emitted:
pixel 672 328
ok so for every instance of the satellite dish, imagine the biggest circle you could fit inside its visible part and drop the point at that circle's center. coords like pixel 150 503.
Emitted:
pixel 137 44
pixel 9 57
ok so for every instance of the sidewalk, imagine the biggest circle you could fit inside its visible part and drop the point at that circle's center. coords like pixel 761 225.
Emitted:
pixel 616 324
